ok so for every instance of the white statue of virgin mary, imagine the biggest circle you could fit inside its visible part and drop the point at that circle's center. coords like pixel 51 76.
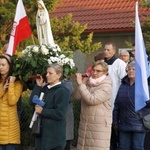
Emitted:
pixel 44 31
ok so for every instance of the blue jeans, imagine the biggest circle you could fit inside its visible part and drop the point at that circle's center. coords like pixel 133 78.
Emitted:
pixel 9 147
pixel 131 140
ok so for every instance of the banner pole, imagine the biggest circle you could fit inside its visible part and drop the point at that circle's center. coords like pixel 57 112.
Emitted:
pixel 33 39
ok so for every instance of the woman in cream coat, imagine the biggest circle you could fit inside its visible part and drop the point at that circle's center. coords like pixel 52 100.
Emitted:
pixel 96 117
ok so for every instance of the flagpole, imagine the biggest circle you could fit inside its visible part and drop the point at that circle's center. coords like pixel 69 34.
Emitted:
pixel 33 39
pixel 21 29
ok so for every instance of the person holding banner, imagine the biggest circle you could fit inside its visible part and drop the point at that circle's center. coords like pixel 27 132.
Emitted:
pixel 53 113
pixel 11 89
pixel 125 118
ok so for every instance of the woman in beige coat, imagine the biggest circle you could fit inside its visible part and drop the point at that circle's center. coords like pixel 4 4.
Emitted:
pixel 96 117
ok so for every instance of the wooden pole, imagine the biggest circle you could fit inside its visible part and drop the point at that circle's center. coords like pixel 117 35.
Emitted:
pixel 33 39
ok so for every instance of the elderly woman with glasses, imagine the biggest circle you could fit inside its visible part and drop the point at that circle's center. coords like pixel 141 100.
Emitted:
pixel 96 116
pixel 125 118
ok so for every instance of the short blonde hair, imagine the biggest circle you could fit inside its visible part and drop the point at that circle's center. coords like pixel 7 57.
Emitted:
pixel 58 68
pixel 103 64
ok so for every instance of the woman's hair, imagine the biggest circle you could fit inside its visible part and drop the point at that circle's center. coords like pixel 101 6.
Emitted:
pixel 113 45
pixel 103 64
pixel 131 64
pixel 133 44
pixel 58 68
pixel 9 61
pixel 99 56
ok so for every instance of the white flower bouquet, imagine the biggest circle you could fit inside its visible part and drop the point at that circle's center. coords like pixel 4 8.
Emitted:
pixel 34 60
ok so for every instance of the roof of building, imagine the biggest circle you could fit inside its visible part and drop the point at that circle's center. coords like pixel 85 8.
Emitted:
pixel 102 15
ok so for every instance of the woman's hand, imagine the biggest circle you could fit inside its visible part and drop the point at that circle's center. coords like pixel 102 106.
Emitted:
pixel 39 81
pixel 80 79
pixel 115 126
pixel 9 80
pixel 38 109
pixel 6 85
pixel 12 79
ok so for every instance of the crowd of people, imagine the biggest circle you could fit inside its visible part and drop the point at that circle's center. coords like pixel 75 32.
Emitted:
pixel 107 119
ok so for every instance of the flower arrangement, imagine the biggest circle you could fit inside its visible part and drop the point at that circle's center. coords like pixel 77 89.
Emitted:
pixel 34 60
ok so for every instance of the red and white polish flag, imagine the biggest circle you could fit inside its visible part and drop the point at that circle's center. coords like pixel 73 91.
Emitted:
pixel 20 30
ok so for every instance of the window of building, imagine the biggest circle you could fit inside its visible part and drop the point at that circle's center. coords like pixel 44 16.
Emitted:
pixel 124 49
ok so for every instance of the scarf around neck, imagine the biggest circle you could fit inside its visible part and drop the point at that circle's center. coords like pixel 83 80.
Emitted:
pixel 94 82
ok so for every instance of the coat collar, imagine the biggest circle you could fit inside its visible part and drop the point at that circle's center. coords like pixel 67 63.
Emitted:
pixel 111 60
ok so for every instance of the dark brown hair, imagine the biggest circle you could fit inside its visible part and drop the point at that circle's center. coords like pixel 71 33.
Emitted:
pixel 113 45
pixel 8 59
pixel 99 56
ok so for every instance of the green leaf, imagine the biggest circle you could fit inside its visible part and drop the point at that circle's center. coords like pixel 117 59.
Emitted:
pixel 33 63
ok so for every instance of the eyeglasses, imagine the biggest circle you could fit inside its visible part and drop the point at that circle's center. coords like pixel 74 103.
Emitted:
pixel 95 70
pixel 124 55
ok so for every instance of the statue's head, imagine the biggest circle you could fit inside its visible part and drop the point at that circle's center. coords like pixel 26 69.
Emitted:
pixel 40 4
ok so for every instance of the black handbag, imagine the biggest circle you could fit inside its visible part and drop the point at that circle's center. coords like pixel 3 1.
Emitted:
pixel 146 121
pixel 145 116
pixel 36 128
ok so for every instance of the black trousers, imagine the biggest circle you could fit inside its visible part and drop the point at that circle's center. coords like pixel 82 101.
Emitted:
pixel 67 147
pixel 147 141
pixel 114 139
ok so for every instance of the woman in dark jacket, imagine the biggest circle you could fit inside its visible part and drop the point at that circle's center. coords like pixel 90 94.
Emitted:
pixel 53 113
pixel 70 116
pixel 129 123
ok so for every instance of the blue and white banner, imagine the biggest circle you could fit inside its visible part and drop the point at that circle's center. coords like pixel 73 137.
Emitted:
pixel 141 66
